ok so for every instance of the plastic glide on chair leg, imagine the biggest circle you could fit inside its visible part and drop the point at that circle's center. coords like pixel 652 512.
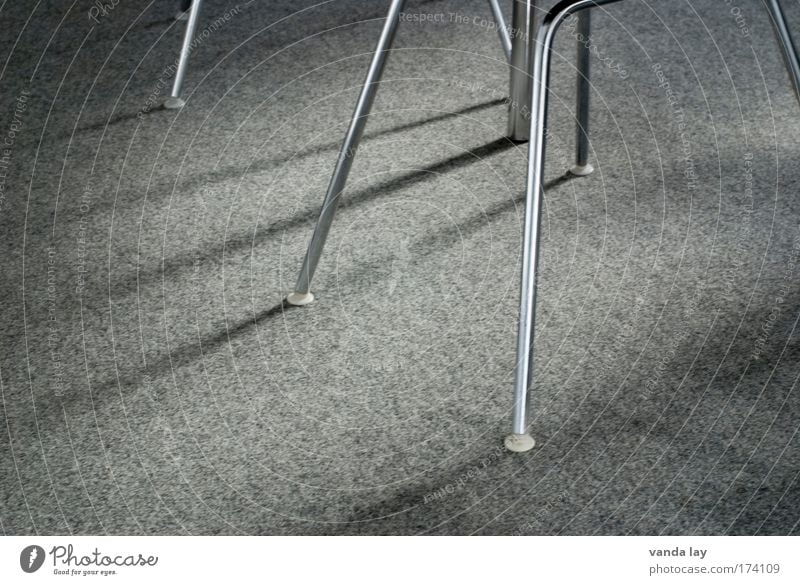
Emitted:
pixel 299 299
pixel 582 170
pixel 174 103
pixel 519 443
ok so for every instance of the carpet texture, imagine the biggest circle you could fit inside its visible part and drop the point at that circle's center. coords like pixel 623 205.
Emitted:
pixel 152 382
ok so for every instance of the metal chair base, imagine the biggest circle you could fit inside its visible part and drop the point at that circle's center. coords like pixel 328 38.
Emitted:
pixel 520 127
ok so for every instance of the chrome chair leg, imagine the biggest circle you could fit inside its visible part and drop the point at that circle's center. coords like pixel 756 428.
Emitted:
pixel 523 21
pixel 520 439
pixel 302 291
pixel 785 41
pixel 502 30
pixel 582 166
pixel 174 100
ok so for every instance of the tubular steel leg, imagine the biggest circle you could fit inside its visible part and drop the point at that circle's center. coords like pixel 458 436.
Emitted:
pixel 520 439
pixel 787 44
pixel 302 294
pixel 174 100
pixel 502 30
pixel 522 27
pixel 582 166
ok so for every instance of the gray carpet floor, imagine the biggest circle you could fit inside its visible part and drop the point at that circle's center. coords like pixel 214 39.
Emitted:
pixel 153 383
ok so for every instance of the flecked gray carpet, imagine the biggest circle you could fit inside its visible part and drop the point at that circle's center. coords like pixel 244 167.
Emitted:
pixel 152 382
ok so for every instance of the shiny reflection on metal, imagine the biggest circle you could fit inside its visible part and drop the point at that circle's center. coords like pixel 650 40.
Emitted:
pixel 183 62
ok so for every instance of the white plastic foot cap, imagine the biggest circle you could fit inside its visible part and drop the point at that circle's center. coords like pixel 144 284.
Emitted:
pixel 174 103
pixel 300 299
pixel 519 443
pixel 582 170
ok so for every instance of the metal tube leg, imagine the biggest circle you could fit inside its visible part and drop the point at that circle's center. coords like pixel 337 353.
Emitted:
pixel 520 439
pixel 522 30
pixel 787 44
pixel 174 100
pixel 582 166
pixel 302 294
pixel 502 30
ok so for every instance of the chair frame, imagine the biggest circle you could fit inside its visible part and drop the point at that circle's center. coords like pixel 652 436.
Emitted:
pixel 529 57
pixel 519 129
